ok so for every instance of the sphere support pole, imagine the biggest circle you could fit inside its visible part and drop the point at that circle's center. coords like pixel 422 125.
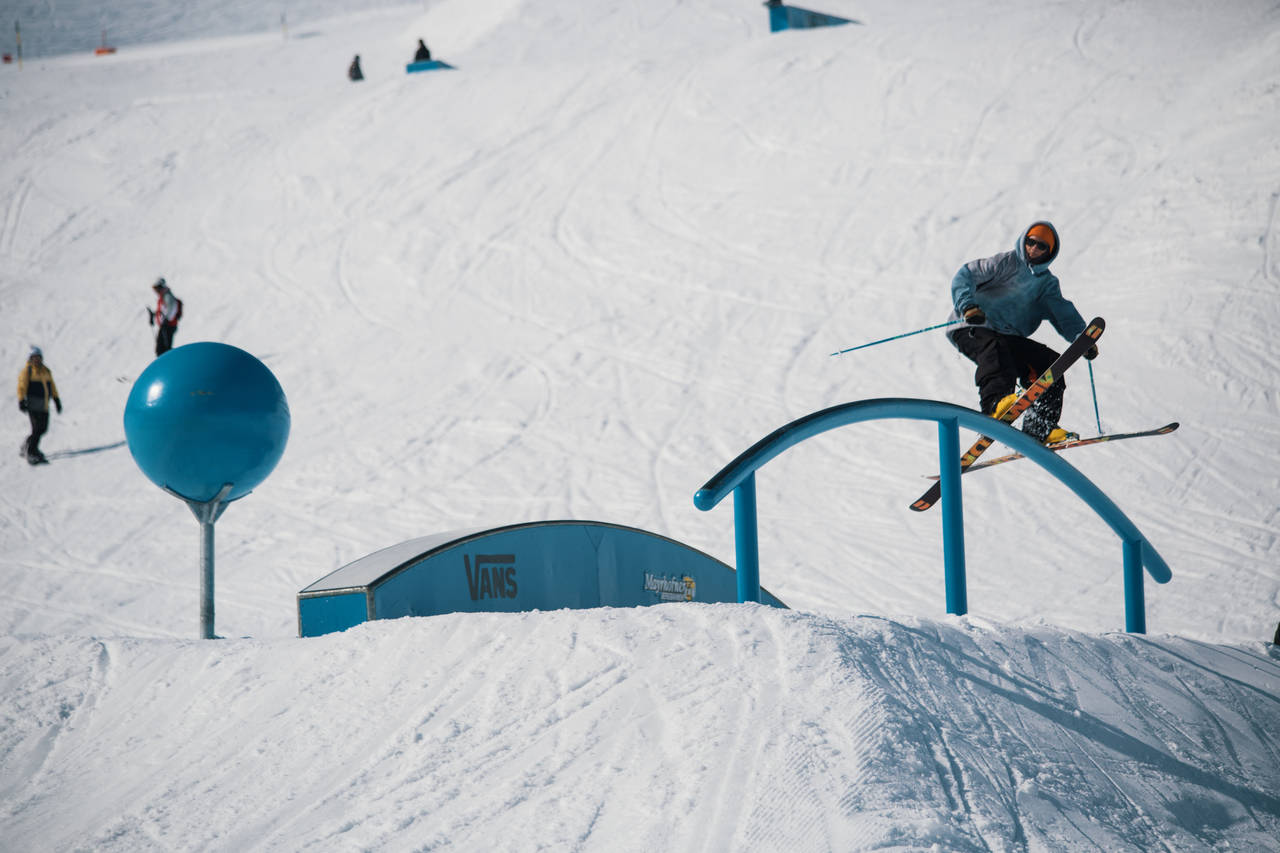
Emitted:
pixel 207 513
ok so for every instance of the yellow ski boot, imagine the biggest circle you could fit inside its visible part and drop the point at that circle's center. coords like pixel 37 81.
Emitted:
pixel 1057 435
pixel 1004 405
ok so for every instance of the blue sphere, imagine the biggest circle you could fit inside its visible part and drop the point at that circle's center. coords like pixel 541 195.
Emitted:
pixel 203 415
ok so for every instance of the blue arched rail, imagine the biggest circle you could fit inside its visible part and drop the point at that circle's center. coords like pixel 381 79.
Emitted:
pixel 739 477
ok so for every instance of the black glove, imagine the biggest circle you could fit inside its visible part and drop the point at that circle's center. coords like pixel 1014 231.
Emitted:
pixel 973 316
pixel 57 401
pixel 151 317
pixel 22 405
pixel 1091 353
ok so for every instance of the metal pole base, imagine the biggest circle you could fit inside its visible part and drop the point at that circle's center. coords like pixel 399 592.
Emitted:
pixel 206 512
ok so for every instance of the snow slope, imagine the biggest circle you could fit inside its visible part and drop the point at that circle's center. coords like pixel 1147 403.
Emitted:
pixel 673 728
pixel 572 279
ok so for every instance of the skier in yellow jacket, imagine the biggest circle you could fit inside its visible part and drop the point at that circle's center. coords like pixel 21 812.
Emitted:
pixel 35 392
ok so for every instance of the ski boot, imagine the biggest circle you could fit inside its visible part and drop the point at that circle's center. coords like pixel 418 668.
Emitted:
pixel 1058 435
pixel 1004 405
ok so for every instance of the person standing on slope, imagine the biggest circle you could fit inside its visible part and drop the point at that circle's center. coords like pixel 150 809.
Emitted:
pixel 1002 300
pixel 36 390
pixel 166 315
pixel 423 53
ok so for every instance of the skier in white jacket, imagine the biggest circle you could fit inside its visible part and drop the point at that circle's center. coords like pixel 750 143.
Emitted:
pixel 167 313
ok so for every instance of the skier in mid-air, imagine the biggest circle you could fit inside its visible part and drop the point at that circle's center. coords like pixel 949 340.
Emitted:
pixel 1002 301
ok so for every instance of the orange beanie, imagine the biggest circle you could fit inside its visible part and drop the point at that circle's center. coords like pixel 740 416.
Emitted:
pixel 1044 234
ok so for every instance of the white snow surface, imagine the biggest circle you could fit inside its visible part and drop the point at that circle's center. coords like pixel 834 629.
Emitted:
pixel 574 278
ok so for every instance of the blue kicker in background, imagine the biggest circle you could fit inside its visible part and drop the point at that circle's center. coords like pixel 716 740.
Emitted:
pixel 545 565
pixel 425 65
pixel 782 17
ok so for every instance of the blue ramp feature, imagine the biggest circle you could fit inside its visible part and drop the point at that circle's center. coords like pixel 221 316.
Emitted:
pixel 425 65
pixel 545 565
pixel 784 17
pixel 738 478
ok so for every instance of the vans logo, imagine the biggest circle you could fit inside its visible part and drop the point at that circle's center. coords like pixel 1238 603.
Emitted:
pixel 492 576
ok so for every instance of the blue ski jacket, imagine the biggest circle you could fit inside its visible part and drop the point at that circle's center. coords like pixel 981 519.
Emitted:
pixel 1015 295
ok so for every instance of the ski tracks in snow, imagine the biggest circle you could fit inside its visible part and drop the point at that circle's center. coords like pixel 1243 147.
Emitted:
pixel 13 215
pixel 37 714
pixel 678 727
pixel 997 751
pixel 1271 244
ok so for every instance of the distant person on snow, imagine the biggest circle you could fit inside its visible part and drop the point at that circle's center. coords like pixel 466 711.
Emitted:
pixel 1002 300
pixel 35 390
pixel 167 313
pixel 354 72
pixel 423 55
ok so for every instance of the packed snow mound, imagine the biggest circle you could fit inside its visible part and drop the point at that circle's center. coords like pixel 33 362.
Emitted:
pixel 673 727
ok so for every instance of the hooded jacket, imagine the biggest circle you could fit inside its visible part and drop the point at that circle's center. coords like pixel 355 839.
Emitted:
pixel 1015 295
pixel 36 387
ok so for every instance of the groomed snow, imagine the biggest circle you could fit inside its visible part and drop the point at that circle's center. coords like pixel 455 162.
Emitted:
pixel 572 279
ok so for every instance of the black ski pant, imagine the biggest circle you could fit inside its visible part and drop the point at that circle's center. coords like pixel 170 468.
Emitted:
pixel 164 338
pixel 39 426
pixel 1004 361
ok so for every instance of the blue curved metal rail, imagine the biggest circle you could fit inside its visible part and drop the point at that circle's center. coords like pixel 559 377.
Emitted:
pixel 738 477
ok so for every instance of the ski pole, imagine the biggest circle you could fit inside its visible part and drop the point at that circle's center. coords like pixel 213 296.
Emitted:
pixel 903 335
pixel 1094 388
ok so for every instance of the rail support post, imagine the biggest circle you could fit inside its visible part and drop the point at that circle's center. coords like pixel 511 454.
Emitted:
pixel 952 516
pixel 747 540
pixel 1135 606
